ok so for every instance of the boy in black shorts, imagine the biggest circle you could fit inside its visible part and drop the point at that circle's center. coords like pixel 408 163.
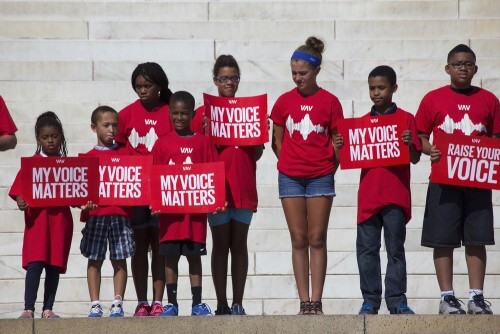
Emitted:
pixel 454 215
pixel 183 234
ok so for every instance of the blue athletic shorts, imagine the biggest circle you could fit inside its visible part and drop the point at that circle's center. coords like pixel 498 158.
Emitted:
pixel 98 231
pixel 241 215
pixel 306 187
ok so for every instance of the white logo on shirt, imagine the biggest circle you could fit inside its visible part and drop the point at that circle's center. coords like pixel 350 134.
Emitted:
pixel 148 140
pixel 465 125
pixel 304 127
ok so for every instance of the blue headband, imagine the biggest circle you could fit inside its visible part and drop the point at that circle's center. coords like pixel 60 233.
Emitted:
pixel 314 61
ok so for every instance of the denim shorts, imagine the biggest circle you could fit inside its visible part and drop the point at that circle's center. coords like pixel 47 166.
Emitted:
pixel 241 215
pixel 306 187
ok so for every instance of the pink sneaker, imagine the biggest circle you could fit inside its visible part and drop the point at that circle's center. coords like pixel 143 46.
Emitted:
pixel 27 314
pixel 142 310
pixel 156 310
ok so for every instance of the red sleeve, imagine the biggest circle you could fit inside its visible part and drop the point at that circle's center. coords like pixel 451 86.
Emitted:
pixel 423 117
pixel 277 112
pixel 17 187
pixel 496 117
pixel 7 125
pixel 197 121
pixel 337 113
pixel 123 120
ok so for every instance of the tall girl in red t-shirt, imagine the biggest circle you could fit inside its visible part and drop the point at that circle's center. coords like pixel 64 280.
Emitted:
pixel 140 125
pixel 305 120
pixel 230 228
pixel 47 231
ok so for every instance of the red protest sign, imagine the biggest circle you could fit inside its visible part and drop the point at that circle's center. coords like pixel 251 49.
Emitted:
pixel 194 188
pixel 59 181
pixel 467 161
pixel 238 120
pixel 373 141
pixel 124 180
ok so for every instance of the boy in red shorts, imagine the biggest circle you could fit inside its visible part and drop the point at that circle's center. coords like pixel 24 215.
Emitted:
pixel 456 216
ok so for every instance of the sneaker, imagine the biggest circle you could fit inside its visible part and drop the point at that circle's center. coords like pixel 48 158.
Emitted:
pixel 201 309
pixel 237 310
pixel 95 311
pixel 156 310
pixel 450 305
pixel 27 314
pixel 402 309
pixel 142 310
pixel 48 314
pixel 116 311
pixel 170 310
pixel 478 305
pixel 367 309
pixel 223 310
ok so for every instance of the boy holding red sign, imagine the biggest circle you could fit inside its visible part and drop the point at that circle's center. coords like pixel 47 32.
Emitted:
pixel 183 234
pixel 456 215
pixel 48 231
pixel 389 209
pixel 106 224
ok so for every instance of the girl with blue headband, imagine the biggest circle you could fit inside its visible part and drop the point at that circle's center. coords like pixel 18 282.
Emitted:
pixel 305 121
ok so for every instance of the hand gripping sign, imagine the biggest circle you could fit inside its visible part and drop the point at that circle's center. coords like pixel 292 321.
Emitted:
pixel 240 121
pixel 59 181
pixel 373 141
pixel 124 180
pixel 467 161
pixel 193 188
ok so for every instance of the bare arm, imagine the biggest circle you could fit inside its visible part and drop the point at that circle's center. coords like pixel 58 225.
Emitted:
pixel 408 140
pixel 337 142
pixel 259 150
pixel 8 142
pixel 278 133
pixel 429 149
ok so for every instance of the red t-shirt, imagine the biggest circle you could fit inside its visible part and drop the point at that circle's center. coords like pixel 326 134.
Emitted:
pixel 139 129
pixel 7 125
pixel 47 232
pixel 308 121
pixel 240 167
pixel 100 211
pixel 475 113
pixel 174 149
pixel 382 186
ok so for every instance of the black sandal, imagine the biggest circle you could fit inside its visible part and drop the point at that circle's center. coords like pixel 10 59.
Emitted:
pixel 316 308
pixel 305 308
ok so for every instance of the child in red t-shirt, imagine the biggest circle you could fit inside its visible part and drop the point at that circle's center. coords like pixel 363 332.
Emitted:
pixel 230 229
pixel 454 215
pixel 183 234
pixel 140 125
pixel 106 224
pixel 305 120
pixel 384 201
pixel 47 231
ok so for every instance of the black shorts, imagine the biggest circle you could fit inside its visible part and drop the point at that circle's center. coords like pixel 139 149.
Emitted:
pixel 142 218
pixel 182 247
pixel 456 216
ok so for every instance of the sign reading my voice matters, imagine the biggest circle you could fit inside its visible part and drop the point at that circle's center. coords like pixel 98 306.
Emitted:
pixel 238 120
pixel 188 188
pixel 124 180
pixel 467 161
pixel 373 141
pixel 59 181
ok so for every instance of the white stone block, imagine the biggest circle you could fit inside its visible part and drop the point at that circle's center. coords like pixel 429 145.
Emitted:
pixel 43 29
pixel 485 9
pixel 485 48
pixel 333 10
pixel 416 29
pixel 157 50
pixel 41 71
pixel 257 30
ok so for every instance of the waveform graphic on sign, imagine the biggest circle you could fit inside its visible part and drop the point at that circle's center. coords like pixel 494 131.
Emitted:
pixel 305 127
pixel 465 125
pixel 148 140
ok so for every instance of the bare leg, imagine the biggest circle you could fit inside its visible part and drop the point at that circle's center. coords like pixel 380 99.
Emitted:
pixel 318 213
pixel 239 259
pixel 94 278
pixel 119 277
pixel 296 218
pixel 221 236
pixel 443 262
pixel 476 265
